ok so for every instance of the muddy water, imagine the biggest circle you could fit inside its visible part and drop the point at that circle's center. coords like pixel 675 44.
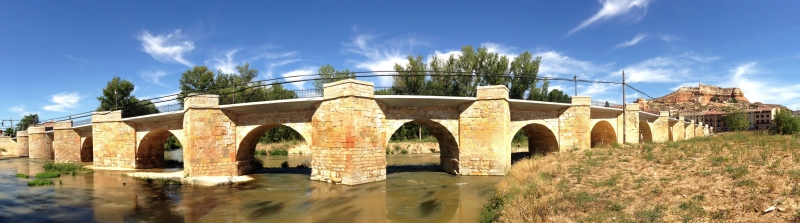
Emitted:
pixel 416 193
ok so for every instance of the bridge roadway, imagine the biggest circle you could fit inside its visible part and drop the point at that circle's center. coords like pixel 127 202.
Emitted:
pixel 347 130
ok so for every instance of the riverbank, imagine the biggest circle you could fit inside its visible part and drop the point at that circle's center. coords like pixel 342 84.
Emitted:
pixel 730 176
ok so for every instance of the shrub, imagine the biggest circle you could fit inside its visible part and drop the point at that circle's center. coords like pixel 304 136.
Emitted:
pixel 65 168
pixel 285 164
pixel 21 175
pixel 304 165
pixel 257 162
pixel 48 175
pixel 786 123
pixel 39 182
pixel 279 152
pixel 261 152
pixel 3 150
pixel 404 151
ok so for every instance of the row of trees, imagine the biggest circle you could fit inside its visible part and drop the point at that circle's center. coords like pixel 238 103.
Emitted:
pixel 783 123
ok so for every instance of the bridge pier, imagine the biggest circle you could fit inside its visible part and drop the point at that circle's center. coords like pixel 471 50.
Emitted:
pixel 632 124
pixel 484 133
pixel 66 143
pixel 114 140
pixel 660 129
pixel 9 145
pixel 210 138
pixel 41 143
pixel 690 130
pixel 575 126
pixel 23 149
pixel 349 145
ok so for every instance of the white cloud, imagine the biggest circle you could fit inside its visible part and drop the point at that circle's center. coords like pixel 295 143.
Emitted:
pixel 63 101
pixel 153 76
pixel 168 49
pixel 380 57
pixel 757 88
pixel 499 49
pixel 596 89
pixel 226 65
pixel 81 61
pixel 297 76
pixel 631 42
pixel 554 64
pixel 614 8
pixel 21 110
pixel 669 38
pixel 665 69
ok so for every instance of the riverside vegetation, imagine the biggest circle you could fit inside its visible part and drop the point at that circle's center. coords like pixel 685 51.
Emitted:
pixel 742 176
pixel 54 170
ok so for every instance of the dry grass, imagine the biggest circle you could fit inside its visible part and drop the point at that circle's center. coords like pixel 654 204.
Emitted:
pixel 721 178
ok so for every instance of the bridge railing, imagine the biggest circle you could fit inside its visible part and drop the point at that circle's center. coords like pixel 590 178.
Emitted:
pixel 603 104
pixel 236 98
pixel 82 122
pixel 146 109
pixel 422 92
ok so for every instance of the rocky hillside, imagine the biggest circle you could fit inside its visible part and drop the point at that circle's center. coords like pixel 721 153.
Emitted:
pixel 700 98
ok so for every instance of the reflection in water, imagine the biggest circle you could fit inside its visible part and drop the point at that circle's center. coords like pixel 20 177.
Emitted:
pixel 415 190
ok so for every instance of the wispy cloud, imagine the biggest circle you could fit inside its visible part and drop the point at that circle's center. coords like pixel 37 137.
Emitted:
pixel 614 8
pixel 555 64
pixel 293 76
pixel 20 109
pixel 80 61
pixel 690 84
pixel 273 65
pixel 631 42
pixel 382 56
pixel 669 38
pixel 153 76
pixel 664 69
pixel 759 88
pixel 226 65
pixel 168 49
pixel 63 101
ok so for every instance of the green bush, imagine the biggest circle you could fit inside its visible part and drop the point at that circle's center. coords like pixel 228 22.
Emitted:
pixel 39 182
pixel 278 152
pixel 404 151
pixel 785 123
pixel 21 175
pixel 65 168
pixel 48 175
pixel 261 152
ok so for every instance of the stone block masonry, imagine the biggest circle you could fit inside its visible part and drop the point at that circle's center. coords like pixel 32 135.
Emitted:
pixel 575 126
pixel 632 124
pixel 23 149
pixel 67 143
pixel 41 143
pixel 114 140
pixel 660 129
pixel 485 142
pixel 210 138
pixel 348 146
pixel 9 145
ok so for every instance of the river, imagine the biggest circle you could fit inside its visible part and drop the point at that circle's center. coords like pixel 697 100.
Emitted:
pixel 414 191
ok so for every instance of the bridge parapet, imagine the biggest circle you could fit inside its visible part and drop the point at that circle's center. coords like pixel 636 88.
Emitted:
pixel 348 87
pixel 23 149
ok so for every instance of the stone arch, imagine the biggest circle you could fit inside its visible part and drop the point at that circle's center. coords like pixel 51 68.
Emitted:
pixel 150 151
pixel 645 132
pixel 603 134
pixel 87 150
pixel 448 145
pixel 541 139
pixel 245 152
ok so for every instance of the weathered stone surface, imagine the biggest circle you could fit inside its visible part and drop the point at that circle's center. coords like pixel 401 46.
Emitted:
pixel 677 129
pixel 210 138
pixel 66 143
pixel 541 127
pixel 251 126
pixel 41 143
pixel 660 129
pixel 632 124
pixel 150 139
pixel 484 133
pixel 114 141
pixel 23 148
pixel 348 147
pixel 442 122
pixel 574 125
pixel 9 145
pixel 690 130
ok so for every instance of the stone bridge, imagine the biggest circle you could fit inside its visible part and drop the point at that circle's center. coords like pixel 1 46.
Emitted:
pixel 348 130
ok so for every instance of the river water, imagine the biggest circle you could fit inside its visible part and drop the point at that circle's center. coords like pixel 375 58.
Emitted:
pixel 415 191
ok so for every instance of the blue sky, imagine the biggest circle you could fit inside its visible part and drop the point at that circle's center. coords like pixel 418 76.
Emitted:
pixel 58 55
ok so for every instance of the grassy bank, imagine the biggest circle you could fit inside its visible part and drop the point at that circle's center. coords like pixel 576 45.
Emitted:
pixel 726 177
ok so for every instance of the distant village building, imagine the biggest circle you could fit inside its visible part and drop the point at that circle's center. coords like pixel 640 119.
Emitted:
pixel 759 118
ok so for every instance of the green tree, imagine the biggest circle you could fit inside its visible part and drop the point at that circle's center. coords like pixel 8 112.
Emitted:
pixel 172 143
pixel 328 74
pixel 116 95
pixel 786 123
pixel 607 105
pixel 525 69
pixel 411 78
pixel 10 132
pixel 558 96
pixel 26 121
pixel 736 120
pixel 196 80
